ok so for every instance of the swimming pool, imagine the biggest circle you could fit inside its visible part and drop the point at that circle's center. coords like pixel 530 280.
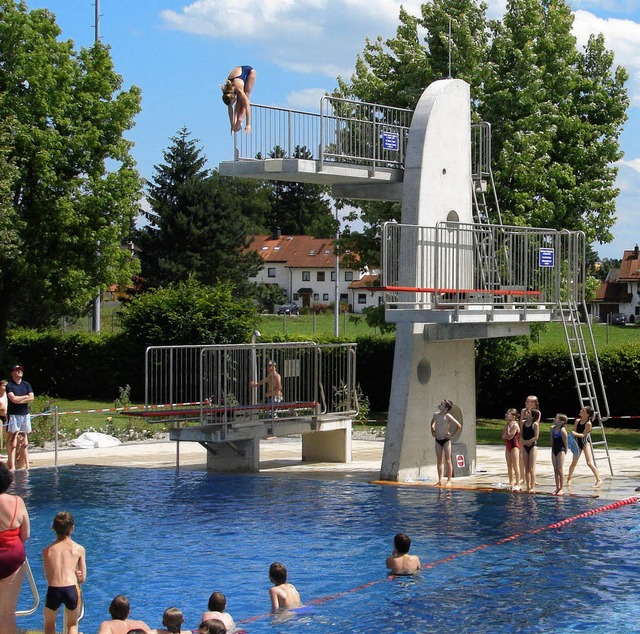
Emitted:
pixel 168 538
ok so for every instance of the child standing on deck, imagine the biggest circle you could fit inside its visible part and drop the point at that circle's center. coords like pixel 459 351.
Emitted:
pixel 64 568
pixel 530 427
pixel 511 437
pixel 559 445
pixel 441 424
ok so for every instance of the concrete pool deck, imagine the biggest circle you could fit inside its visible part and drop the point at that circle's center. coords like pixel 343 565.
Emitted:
pixel 282 457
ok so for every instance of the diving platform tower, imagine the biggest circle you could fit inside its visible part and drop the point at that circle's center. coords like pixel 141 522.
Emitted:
pixel 449 275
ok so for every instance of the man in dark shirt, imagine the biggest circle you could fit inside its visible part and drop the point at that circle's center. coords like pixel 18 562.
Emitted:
pixel 19 395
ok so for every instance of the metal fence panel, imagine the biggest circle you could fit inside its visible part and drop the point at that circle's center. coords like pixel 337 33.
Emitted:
pixel 456 265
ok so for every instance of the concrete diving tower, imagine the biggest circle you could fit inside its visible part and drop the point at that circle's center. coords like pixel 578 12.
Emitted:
pixel 449 276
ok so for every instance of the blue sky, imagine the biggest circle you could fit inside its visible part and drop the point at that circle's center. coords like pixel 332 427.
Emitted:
pixel 179 51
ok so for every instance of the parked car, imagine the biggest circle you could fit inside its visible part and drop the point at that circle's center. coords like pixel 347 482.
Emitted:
pixel 288 309
pixel 619 319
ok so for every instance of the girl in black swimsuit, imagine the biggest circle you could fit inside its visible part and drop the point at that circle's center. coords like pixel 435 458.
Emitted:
pixel 530 432
pixel 581 434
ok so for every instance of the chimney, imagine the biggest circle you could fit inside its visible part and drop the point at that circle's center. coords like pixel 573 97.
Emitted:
pixel 635 252
pixel 275 234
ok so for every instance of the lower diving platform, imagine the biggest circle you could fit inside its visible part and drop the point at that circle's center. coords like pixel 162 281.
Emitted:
pixel 221 397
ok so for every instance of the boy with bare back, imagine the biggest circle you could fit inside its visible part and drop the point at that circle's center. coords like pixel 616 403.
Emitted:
pixel 283 595
pixel 441 425
pixel 401 562
pixel 64 568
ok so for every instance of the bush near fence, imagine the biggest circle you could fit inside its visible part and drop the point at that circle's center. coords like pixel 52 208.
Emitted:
pixel 85 365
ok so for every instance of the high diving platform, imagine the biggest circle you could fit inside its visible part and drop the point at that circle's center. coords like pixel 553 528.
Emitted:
pixel 356 148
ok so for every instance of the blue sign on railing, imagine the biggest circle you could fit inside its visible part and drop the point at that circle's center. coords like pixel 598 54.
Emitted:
pixel 390 141
pixel 546 257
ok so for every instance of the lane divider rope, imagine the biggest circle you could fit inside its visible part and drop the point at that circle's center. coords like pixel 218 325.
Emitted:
pixel 331 597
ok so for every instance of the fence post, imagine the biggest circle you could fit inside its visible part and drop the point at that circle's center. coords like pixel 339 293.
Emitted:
pixel 55 442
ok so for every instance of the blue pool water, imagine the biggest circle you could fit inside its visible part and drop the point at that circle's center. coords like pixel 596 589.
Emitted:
pixel 168 538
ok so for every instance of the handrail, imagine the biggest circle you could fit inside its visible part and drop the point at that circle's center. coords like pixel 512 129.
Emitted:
pixel 34 591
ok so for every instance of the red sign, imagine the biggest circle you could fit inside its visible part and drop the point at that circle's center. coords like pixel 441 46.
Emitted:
pixel 460 460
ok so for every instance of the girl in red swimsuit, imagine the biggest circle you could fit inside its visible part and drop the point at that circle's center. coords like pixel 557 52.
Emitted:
pixel 14 531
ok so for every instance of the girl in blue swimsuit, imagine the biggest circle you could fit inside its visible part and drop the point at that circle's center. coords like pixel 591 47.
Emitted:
pixel 235 94
pixel 559 443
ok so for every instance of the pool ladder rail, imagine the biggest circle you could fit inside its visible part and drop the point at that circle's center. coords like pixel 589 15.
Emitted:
pixel 36 603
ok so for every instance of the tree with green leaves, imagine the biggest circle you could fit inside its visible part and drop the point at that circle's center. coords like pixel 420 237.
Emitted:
pixel 556 111
pixel 187 313
pixel 197 222
pixel 63 114
pixel 557 114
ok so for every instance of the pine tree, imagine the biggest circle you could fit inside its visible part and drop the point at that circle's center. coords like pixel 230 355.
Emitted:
pixel 299 208
pixel 195 223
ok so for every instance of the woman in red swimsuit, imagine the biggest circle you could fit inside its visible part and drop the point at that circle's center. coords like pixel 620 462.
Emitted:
pixel 14 531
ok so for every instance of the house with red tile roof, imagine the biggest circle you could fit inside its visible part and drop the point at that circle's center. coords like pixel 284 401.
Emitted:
pixel 306 268
pixel 620 292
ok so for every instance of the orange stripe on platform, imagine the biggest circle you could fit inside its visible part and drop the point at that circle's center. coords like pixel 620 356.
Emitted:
pixel 420 289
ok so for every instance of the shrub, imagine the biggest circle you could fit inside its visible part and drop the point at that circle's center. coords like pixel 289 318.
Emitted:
pixel 189 313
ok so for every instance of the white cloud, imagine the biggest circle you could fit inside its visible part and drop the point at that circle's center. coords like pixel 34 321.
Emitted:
pixel 307 100
pixel 307 36
pixel 621 36
pixel 634 164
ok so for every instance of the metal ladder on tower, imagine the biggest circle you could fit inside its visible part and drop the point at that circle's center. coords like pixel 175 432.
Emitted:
pixel 584 377
pixel 481 181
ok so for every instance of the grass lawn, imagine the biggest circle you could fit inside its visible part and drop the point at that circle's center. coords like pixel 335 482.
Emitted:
pixel 72 424
pixel 603 334
pixel 304 326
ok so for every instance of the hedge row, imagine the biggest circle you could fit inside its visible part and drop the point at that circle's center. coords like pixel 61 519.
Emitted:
pixel 87 366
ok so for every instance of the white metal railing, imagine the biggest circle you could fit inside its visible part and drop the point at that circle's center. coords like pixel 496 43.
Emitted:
pixel 344 131
pixel 454 265
pixel 198 382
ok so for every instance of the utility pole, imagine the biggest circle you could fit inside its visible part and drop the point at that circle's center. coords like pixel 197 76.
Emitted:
pixel 97 316
pixel 336 321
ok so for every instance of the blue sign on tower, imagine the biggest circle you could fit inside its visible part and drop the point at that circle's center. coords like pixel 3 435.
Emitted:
pixel 390 141
pixel 546 257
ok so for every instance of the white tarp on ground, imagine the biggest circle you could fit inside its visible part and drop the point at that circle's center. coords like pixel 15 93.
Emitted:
pixel 94 440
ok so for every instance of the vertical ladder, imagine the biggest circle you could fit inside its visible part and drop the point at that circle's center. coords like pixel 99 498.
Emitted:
pixel 481 181
pixel 588 389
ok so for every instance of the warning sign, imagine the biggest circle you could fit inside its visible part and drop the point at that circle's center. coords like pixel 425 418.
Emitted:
pixel 460 461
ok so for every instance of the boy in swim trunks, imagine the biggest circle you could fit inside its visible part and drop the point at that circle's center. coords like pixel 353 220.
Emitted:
pixel 401 562
pixel 64 568
pixel 441 430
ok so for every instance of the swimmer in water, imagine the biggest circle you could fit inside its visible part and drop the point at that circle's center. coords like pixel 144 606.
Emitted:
pixel 283 595
pixel 401 562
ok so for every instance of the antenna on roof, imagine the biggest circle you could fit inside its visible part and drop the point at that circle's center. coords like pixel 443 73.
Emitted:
pixel 97 24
